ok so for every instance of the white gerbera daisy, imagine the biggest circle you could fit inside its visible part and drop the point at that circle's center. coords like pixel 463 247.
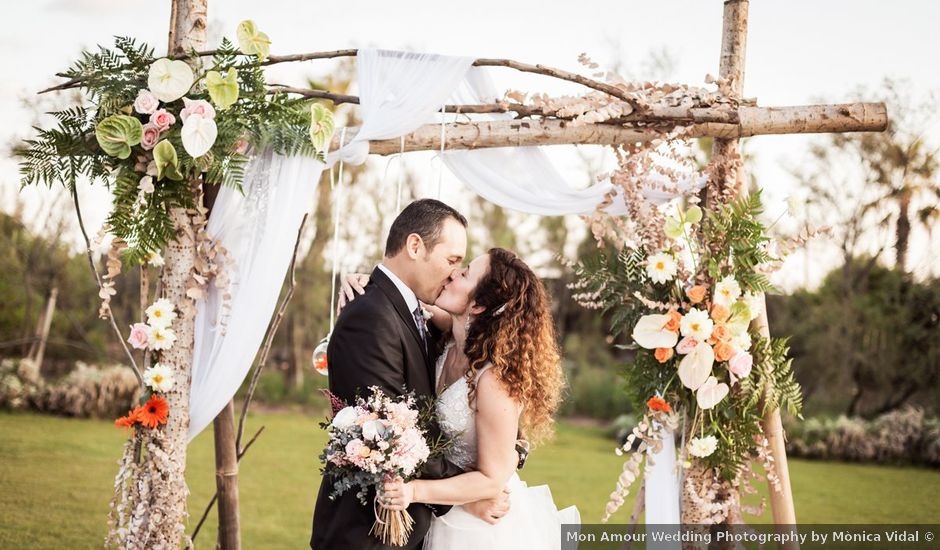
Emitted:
pixel 726 292
pixel 697 324
pixel 661 267
pixel 703 446
pixel 160 314
pixel 159 378
pixel 161 338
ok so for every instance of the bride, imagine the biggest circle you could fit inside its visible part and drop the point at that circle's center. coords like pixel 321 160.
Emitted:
pixel 499 372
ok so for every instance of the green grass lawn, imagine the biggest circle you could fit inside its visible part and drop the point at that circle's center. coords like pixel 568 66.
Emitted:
pixel 56 476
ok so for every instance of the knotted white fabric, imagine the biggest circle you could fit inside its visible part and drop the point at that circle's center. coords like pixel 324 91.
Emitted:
pixel 398 92
pixel 258 229
pixel 662 489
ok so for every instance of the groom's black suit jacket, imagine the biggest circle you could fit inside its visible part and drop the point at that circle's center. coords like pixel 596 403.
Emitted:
pixel 376 343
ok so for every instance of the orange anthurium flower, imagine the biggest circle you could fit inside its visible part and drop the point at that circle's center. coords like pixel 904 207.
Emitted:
pixel 154 412
pixel 657 403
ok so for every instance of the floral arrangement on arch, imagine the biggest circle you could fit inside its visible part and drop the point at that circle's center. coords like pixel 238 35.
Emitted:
pixel 685 290
pixel 152 129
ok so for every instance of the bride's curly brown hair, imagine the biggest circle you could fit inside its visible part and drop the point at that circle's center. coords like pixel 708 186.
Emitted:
pixel 516 334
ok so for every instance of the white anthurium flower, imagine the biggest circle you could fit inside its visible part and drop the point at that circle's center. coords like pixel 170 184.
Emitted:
pixel 711 393
pixel 697 324
pixel 726 292
pixel 169 80
pixel 696 367
pixel 701 447
pixel 345 418
pixel 198 135
pixel 650 333
pixel 160 314
pixel 661 268
pixel 159 378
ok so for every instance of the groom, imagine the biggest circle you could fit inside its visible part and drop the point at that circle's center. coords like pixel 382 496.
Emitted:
pixel 381 339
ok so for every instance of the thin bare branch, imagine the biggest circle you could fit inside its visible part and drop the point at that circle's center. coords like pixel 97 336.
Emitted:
pixel 94 270
pixel 269 339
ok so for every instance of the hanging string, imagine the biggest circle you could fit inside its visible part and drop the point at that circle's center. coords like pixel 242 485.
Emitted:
pixel 337 188
pixel 401 174
pixel 440 172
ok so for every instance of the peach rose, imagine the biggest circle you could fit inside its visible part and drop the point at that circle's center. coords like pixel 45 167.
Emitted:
pixel 674 319
pixel 723 352
pixel 720 313
pixel 663 354
pixel 696 294
pixel 721 333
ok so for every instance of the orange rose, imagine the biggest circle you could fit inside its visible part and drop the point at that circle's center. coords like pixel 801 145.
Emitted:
pixel 696 294
pixel 657 403
pixel 720 333
pixel 723 352
pixel 720 313
pixel 674 319
pixel 663 354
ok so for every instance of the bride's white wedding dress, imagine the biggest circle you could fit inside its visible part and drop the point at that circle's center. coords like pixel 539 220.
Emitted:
pixel 533 520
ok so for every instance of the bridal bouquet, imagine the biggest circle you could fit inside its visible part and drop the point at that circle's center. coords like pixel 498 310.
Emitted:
pixel 378 438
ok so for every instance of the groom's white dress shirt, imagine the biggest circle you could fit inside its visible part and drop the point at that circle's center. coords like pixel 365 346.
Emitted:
pixel 411 300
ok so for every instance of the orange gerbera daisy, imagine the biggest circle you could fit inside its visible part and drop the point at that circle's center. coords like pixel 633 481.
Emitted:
pixel 154 412
pixel 133 416
pixel 657 403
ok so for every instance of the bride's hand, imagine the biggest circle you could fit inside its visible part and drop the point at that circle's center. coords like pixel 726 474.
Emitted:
pixel 396 494
pixel 352 284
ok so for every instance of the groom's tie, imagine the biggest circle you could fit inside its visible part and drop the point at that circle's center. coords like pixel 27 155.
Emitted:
pixel 422 327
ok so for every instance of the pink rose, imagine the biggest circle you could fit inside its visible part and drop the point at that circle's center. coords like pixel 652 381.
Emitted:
pixel 241 146
pixel 162 119
pixel 199 107
pixel 686 345
pixel 151 136
pixel 740 364
pixel 139 336
pixel 146 103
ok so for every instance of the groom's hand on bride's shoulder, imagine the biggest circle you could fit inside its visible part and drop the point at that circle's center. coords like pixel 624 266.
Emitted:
pixel 491 510
pixel 352 284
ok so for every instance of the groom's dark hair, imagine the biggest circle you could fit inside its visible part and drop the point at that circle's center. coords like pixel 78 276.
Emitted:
pixel 425 217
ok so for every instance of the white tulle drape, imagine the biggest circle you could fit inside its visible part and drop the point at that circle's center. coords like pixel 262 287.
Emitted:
pixel 258 229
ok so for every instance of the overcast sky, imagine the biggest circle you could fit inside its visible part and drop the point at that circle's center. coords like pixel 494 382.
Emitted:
pixel 798 51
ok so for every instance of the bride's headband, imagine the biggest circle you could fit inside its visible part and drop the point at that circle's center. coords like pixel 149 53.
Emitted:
pixel 501 309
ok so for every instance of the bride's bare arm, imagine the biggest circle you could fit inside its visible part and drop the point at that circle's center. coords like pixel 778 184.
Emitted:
pixel 496 425
pixel 441 319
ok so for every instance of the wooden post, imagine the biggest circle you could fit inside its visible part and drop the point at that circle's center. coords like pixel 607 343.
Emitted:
pixel 226 478
pixel 45 324
pixel 187 31
pixel 733 47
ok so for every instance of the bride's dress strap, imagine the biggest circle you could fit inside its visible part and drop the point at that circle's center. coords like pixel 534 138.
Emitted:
pixel 480 372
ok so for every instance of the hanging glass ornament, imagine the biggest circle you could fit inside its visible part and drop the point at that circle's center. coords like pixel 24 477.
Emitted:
pixel 319 356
